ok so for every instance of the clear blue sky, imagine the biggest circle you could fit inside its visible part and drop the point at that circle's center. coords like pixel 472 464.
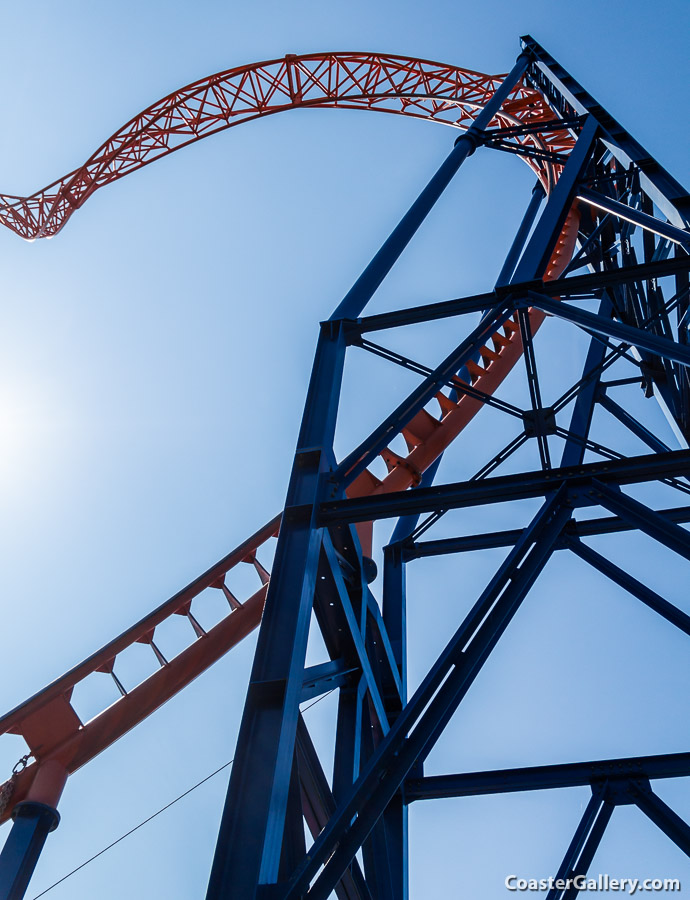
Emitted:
pixel 154 361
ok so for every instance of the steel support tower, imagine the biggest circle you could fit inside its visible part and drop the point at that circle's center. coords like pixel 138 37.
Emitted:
pixel 604 247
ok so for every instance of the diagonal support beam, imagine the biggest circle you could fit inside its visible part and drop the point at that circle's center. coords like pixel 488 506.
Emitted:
pixel 663 816
pixel 591 845
pixel 318 806
pixel 362 291
pixel 356 634
pixel 649 597
pixel 630 422
pixel 359 459
pixel 636 337
pixel 644 518
pixel 507 538
pixel 414 731
pixel 583 846
pixel 636 216
pixel 539 249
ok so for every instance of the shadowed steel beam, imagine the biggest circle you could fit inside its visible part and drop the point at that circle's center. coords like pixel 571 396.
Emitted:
pixel 644 340
pixel 318 806
pixel 363 289
pixel 583 409
pixel 636 216
pixel 663 816
pixel 541 778
pixel 649 597
pixel 583 846
pixel 414 731
pixel 644 518
pixel 32 824
pixel 590 848
pixel 631 423
pixel 521 236
pixel 507 487
pixel 360 458
pixel 577 284
pixel 584 528
pixel 535 259
pixel 668 194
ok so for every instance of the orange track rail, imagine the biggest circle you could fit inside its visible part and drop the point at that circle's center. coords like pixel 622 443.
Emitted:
pixel 379 82
pixel 57 739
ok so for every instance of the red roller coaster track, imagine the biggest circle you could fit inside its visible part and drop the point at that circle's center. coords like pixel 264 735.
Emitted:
pixel 392 84
pixel 57 739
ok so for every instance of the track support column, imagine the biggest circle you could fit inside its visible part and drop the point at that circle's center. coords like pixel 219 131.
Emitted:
pixel 33 822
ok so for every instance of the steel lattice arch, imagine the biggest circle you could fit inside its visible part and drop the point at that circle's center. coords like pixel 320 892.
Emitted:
pixel 601 204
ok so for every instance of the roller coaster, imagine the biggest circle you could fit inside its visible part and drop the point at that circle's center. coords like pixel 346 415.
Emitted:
pixel 601 204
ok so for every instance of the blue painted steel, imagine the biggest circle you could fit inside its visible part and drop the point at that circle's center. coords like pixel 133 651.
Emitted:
pixel 538 251
pixel 32 824
pixel 319 805
pixel 584 528
pixel 622 210
pixel 257 799
pixel 591 844
pixel 581 418
pixel 365 286
pixel 649 597
pixel 382 740
pixel 413 733
pixel 407 524
pixel 635 337
pixel 538 418
pixel 369 449
pixel 589 818
pixel 549 777
pixel 663 816
pixel 643 518
pixel 324 677
pixel 650 439
pixel 355 629
pixel 501 489
pixel 568 96
pixel 578 284
pixel 506 273
pixel 395 608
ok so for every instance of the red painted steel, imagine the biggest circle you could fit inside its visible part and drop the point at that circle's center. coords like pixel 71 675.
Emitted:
pixel 380 82
pixel 59 741
pixel 49 723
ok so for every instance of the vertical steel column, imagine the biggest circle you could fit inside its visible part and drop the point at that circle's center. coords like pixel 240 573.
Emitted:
pixel 251 836
pixel 32 824
pixel 540 247
pixel 395 619
pixel 583 410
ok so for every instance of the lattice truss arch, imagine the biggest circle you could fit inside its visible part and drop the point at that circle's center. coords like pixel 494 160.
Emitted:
pixel 383 83
pixel 601 187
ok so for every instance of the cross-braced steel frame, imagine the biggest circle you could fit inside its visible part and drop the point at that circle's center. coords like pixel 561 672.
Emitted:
pixel 383 737
pixel 597 189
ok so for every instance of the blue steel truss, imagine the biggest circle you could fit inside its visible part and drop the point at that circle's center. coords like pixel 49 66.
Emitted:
pixel 383 737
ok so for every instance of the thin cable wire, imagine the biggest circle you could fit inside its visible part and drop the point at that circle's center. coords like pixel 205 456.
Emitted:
pixel 153 815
